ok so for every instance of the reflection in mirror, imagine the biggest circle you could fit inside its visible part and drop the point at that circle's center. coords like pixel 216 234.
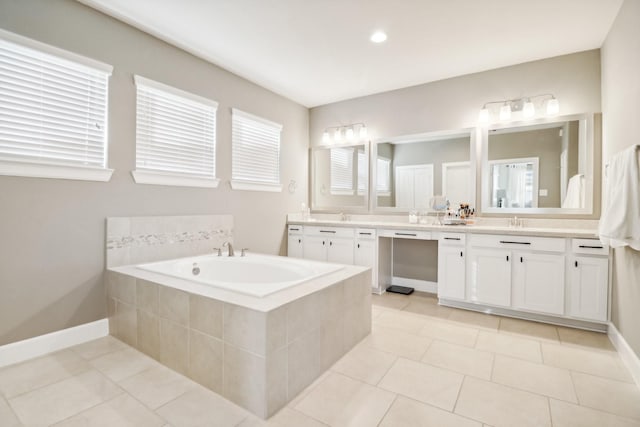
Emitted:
pixel 409 171
pixel 537 166
pixel 340 177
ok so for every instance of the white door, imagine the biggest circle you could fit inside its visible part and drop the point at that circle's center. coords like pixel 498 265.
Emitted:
pixel 451 272
pixel 404 187
pixel 538 282
pixel 365 255
pixel 315 247
pixel 456 183
pixel 294 246
pixel 414 186
pixel 340 250
pixel 490 276
pixel 588 278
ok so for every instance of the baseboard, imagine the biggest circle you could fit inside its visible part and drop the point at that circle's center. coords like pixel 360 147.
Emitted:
pixel 628 356
pixel 37 346
pixel 418 285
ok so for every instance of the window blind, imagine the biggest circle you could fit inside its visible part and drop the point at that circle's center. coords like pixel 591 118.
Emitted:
pixel 53 111
pixel 342 171
pixel 384 175
pixel 255 151
pixel 175 131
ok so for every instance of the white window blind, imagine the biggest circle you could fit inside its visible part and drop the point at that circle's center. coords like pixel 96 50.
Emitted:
pixel 383 181
pixel 362 173
pixel 175 136
pixel 53 111
pixel 342 171
pixel 255 153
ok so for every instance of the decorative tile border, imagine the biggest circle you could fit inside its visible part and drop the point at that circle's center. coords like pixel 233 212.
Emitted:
pixel 119 242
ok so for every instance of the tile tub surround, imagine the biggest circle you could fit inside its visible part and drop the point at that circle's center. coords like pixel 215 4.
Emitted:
pixel 134 240
pixel 258 359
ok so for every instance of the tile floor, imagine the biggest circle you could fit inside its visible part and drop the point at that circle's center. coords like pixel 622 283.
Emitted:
pixel 423 365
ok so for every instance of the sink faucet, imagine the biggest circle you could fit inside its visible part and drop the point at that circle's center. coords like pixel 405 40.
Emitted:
pixel 230 248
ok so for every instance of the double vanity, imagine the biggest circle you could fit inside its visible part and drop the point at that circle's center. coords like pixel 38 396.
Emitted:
pixel 552 275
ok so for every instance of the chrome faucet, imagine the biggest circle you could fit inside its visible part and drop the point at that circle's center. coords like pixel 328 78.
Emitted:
pixel 230 248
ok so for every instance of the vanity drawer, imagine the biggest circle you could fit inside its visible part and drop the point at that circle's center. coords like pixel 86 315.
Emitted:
pixel 453 239
pixel 329 231
pixel 295 229
pixel 545 244
pixel 589 246
pixel 406 234
pixel 365 233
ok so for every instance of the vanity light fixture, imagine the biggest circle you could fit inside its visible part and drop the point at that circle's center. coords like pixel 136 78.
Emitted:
pixel 526 105
pixel 349 133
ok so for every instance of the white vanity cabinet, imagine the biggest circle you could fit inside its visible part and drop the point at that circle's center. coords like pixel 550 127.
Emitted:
pixel 366 252
pixel 332 244
pixel 451 266
pixel 588 277
pixel 295 241
pixel 519 272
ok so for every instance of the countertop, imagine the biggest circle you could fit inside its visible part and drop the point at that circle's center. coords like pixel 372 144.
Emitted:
pixel 481 229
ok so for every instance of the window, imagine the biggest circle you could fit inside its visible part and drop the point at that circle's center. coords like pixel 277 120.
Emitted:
pixel 342 171
pixel 255 153
pixel 383 182
pixel 53 112
pixel 175 136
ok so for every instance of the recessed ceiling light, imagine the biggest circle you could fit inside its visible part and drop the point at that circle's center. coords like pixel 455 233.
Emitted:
pixel 378 37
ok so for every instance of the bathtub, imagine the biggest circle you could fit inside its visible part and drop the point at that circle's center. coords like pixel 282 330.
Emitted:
pixel 254 274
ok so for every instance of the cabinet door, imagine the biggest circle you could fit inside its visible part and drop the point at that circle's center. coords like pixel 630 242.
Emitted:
pixel 294 246
pixel 490 276
pixel 451 272
pixel 340 250
pixel 315 247
pixel 538 282
pixel 588 279
pixel 365 255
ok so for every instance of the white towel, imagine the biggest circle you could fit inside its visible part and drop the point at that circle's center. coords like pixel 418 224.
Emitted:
pixel 620 221
pixel 575 193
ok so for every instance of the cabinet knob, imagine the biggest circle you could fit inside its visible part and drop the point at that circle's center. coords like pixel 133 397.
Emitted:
pixel 358 245
pixel 330 243
pixel 521 259
pixel 323 243
pixel 507 258
pixel 576 263
pixel 461 253
pixel 299 240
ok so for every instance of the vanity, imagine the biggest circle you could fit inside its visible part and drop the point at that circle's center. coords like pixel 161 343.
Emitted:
pixel 543 170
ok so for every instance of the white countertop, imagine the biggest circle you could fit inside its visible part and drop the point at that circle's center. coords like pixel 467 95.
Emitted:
pixel 483 229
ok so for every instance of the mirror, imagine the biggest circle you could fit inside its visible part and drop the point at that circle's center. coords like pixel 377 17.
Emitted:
pixel 410 170
pixel 340 177
pixel 543 167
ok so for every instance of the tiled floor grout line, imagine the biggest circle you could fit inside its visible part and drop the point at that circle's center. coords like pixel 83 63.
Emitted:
pixel 90 407
pixel 388 409
pixel 453 410
pixel 91 368
pixel 550 413
pixel 11 409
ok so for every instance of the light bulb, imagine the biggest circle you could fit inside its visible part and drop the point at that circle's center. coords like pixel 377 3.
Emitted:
pixel 483 116
pixel 378 37
pixel 337 135
pixel 553 107
pixel 363 132
pixel 505 112
pixel 349 134
pixel 528 110
pixel 325 137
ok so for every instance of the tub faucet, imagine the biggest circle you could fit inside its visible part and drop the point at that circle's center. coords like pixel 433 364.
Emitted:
pixel 230 248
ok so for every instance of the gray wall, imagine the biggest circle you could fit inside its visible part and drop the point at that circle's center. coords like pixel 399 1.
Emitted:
pixel 621 127
pixel 52 231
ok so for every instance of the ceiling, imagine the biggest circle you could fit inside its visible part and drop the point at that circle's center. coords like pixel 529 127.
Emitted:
pixel 318 51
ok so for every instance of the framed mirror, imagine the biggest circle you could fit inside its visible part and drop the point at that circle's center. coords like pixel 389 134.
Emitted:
pixel 542 167
pixel 409 170
pixel 340 178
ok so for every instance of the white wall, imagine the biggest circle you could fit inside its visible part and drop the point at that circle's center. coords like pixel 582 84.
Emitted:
pixel 621 129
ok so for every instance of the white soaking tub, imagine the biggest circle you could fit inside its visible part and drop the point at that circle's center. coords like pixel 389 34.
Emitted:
pixel 253 274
